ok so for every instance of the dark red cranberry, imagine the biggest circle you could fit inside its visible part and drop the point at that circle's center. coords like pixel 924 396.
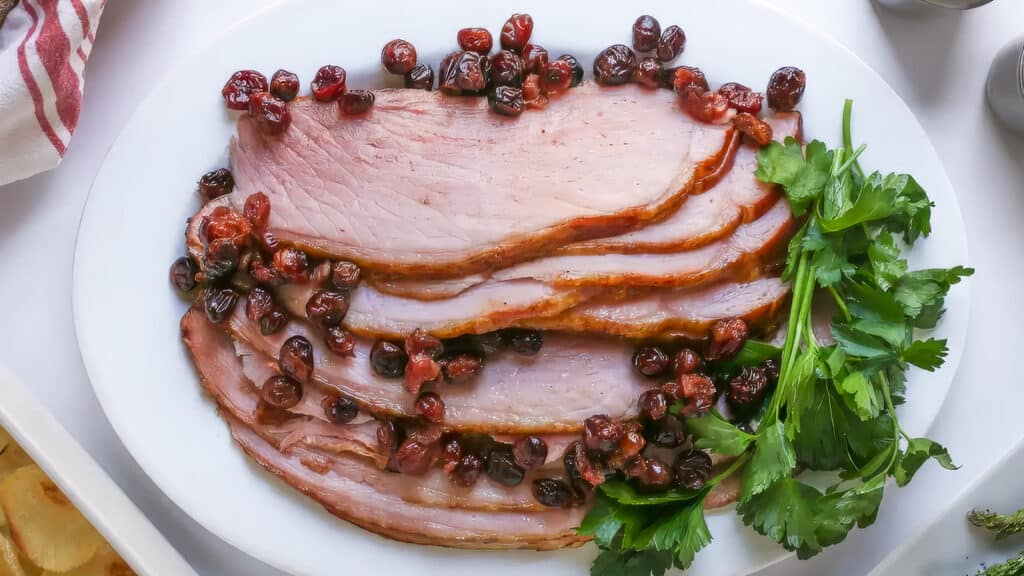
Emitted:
pixel 388 436
pixel 650 473
pixel 652 404
pixel 344 275
pixel 502 467
pixel 650 361
pixel 742 98
pixel 225 223
pixel 183 274
pixel 707 106
pixel 467 470
pixel 535 58
pixel 687 361
pixel 475 40
pixel 281 392
pixel 462 368
pixel 688 78
pixel 749 387
pixel 576 67
pixel 328 83
pixel 671 44
pixel 692 469
pixel 786 88
pixel 296 358
pixel 530 452
pixel 216 183
pixel 451 451
pixel 421 77
pixel 219 303
pixel 515 34
pixel 531 88
pixel 646 33
pixel 508 101
pixel 556 77
pixel 419 370
pixel 602 433
pixel 284 85
pixel 421 342
pixel 258 304
pixel 464 73
pixel 668 432
pixel 754 127
pixel 507 68
pixel 413 457
pixel 241 86
pixel 388 359
pixel 291 263
pixel 727 338
pixel 552 493
pixel 221 259
pixel 270 415
pixel 523 341
pixel 648 72
pixel 339 410
pixel 632 442
pixel 582 471
pixel 257 210
pixel 272 322
pixel 771 369
pixel 356 102
pixel 398 56
pixel 614 65
pixel 270 113
pixel 267 241
pixel 327 308
pixel 340 341
pixel 699 393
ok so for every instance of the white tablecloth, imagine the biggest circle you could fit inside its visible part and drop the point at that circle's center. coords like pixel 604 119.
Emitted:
pixel 937 64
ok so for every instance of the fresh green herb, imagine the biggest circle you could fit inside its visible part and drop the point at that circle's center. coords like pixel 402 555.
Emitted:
pixel 1002 524
pixel 833 408
pixel 1012 567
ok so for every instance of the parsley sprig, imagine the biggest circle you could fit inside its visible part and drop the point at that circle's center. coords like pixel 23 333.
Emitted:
pixel 834 408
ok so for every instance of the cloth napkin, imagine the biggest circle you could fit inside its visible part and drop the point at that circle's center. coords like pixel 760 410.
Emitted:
pixel 44 45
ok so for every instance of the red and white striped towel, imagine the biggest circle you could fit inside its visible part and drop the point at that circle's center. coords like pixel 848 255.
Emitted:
pixel 43 48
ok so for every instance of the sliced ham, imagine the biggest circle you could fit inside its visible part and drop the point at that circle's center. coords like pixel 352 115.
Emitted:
pixel 430 185
pixel 676 312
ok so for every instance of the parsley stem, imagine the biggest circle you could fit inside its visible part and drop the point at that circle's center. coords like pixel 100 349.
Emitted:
pixel 840 303
pixel 848 134
pixel 852 159
pixel 733 467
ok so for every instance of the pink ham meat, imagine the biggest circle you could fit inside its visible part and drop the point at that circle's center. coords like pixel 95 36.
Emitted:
pixel 434 186
pixel 660 313
pixel 568 381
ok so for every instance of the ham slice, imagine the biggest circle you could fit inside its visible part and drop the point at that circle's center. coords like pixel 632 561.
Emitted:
pixel 430 185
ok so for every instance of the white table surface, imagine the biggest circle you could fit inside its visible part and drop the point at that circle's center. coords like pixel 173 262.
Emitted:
pixel 937 64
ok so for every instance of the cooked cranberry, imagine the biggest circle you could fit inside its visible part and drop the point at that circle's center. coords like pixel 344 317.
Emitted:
pixel 602 433
pixel 421 342
pixel 258 304
pixel 530 452
pixel 451 451
pixel 786 88
pixel 183 274
pixel 687 78
pixel 707 106
pixel 748 387
pixel 699 393
pixel 462 368
pixel 264 274
pixel 340 341
pixel 614 65
pixel 742 98
pixel 652 404
pixel 272 322
pixel 507 68
pixel 650 473
pixel 671 44
pixel 221 259
pixel 727 338
pixel 344 275
pixel 515 33
pixel 388 359
pixel 339 410
pixel 646 33
pixel 291 263
pixel 219 303
pixel 686 362
pixel 398 56
pixel 419 370
pixel 270 113
pixel 475 40
pixel 552 493
pixel 216 183
pixel 535 58
pixel 771 369
pixel 413 457
pixel 508 101
pixel 356 102
pixel 632 442
pixel 581 469
pixel 523 341
pixel 257 210
pixel 284 85
pixel 327 308
pixel 296 358
pixel 467 470
pixel 757 129
pixel 650 361
pixel 531 87
pixel 281 392
pixel 463 73
pixel 421 77
pixel 668 432
pixel 225 223
pixel 648 72
pixel 388 436
pixel 328 83
pixel 267 241
pixel 502 467
pixel 575 66
pixel 556 77
pixel 241 86
pixel 692 469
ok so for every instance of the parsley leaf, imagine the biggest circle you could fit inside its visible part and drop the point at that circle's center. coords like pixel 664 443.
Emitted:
pixel 773 458
pixel 926 354
pixel 920 289
pixel 721 437
pixel 785 512
pixel 618 562
pixel 803 179
pixel 918 451
pixel 860 395
pixel 884 256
